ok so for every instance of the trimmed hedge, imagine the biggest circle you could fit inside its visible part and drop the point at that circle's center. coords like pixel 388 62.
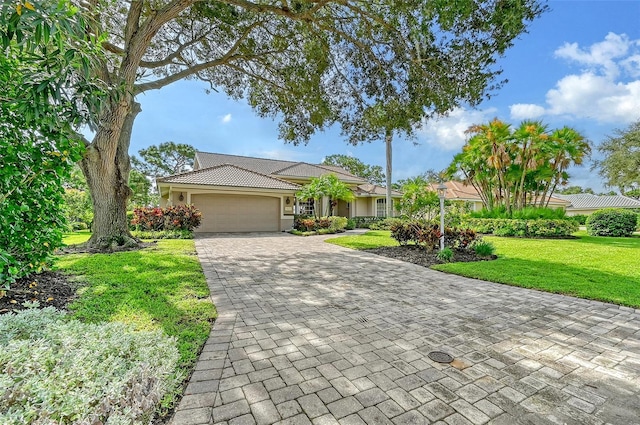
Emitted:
pixel 523 228
pixel 612 222
pixel 364 222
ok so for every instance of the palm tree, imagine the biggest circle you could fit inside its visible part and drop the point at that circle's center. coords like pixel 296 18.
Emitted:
pixel 567 147
pixel 530 136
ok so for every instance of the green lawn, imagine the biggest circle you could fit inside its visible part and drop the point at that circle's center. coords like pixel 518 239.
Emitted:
pixel 599 268
pixel 158 287
pixel 76 237
pixel 371 239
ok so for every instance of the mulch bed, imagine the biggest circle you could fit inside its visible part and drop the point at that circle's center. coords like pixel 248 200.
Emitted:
pixel 420 256
pixel 47 288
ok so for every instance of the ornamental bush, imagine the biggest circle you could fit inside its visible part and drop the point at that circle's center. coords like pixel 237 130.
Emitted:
pixel 177 217
pixel 612 222
pixel 310 224
pixel 56 370
pixel 428 235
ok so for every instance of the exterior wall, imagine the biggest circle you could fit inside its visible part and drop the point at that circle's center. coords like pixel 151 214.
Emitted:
pixel 589 211
pixel 283 221
pixel 362 207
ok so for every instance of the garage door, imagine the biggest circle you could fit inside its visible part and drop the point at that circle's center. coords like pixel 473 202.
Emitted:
pixel 234 213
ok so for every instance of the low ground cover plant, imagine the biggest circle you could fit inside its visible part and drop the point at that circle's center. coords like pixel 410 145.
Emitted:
pixel 55 370
pixel 162 234
pixel 612 222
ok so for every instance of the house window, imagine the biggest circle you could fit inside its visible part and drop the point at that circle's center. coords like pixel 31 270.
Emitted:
pixel 306 207
pixel 381 207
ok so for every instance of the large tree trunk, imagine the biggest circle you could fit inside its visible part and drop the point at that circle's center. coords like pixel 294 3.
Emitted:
pixel 106 166
pixel 388 139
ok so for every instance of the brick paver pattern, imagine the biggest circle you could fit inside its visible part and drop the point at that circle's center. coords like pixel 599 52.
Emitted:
pixel 312 333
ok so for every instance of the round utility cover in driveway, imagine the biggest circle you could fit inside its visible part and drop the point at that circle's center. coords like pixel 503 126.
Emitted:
pixel 238 213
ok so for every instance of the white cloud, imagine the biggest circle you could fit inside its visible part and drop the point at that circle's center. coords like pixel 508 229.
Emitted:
pixel 448 133
pixel 226 119
pixel 606 90
pixel 524 111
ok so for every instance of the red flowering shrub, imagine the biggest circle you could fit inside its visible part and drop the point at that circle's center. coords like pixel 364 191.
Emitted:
pixel 177 217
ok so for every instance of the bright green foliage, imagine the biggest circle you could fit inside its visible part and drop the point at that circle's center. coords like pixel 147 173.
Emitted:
pixel 160 287
pixel 327 185
pixel 372 173
pixel 162 234
pixel 612 222
pixel 516 167
pixel 418 201
pixel 54 370
pixel 526 213
pixel 44 92
pixel 370 240
pixel 581 219
pixel 621 164
pixel 591 267
pixel 538 228
pixel 483 248
pixel 445 255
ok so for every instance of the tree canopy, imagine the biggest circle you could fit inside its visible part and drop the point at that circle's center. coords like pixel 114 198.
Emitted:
pixel 329 186
pixel 165 159
pixel 372 173
pixel 516 167
pixel 371 67
pixel 620 166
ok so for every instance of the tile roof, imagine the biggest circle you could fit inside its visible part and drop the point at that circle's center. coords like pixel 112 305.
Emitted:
pixel 274 166
pixel 589 201
pixel 459 191
pixel 374 189
pixel 230 175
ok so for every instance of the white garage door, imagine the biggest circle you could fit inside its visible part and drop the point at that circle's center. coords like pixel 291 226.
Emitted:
pixel 236 213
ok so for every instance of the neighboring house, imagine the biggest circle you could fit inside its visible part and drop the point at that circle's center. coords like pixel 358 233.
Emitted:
pixel 586 203
pixel 245 194
pixel 458 191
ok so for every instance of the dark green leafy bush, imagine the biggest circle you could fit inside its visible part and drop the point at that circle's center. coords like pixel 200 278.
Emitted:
pixel 483 248
pixel 351 224
pixel 386 223
pixel 612 222
pixel 580 219
pixel 445 255
pixel 364 222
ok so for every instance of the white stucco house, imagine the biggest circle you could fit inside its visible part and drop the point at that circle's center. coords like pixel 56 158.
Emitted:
pixel 246 194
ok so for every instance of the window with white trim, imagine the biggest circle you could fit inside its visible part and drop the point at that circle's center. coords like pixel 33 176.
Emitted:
pixel 381 207
pixel 306 207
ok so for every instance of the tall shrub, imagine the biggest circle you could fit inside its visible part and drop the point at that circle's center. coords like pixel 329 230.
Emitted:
pixel 612 222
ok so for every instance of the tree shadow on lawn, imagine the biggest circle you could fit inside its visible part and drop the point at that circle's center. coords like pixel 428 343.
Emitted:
pixel 618 242
pixel 149 291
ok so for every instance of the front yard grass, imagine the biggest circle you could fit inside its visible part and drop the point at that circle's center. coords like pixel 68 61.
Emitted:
pixel 160 287
pixel 598 268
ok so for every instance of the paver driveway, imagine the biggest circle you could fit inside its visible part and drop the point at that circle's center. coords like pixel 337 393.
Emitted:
pixel 310 332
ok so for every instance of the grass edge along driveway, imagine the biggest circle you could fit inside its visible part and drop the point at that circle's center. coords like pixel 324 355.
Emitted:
pixel 590 267
pixel 159 287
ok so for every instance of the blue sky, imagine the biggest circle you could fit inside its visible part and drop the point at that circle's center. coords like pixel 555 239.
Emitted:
pixel 579 65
